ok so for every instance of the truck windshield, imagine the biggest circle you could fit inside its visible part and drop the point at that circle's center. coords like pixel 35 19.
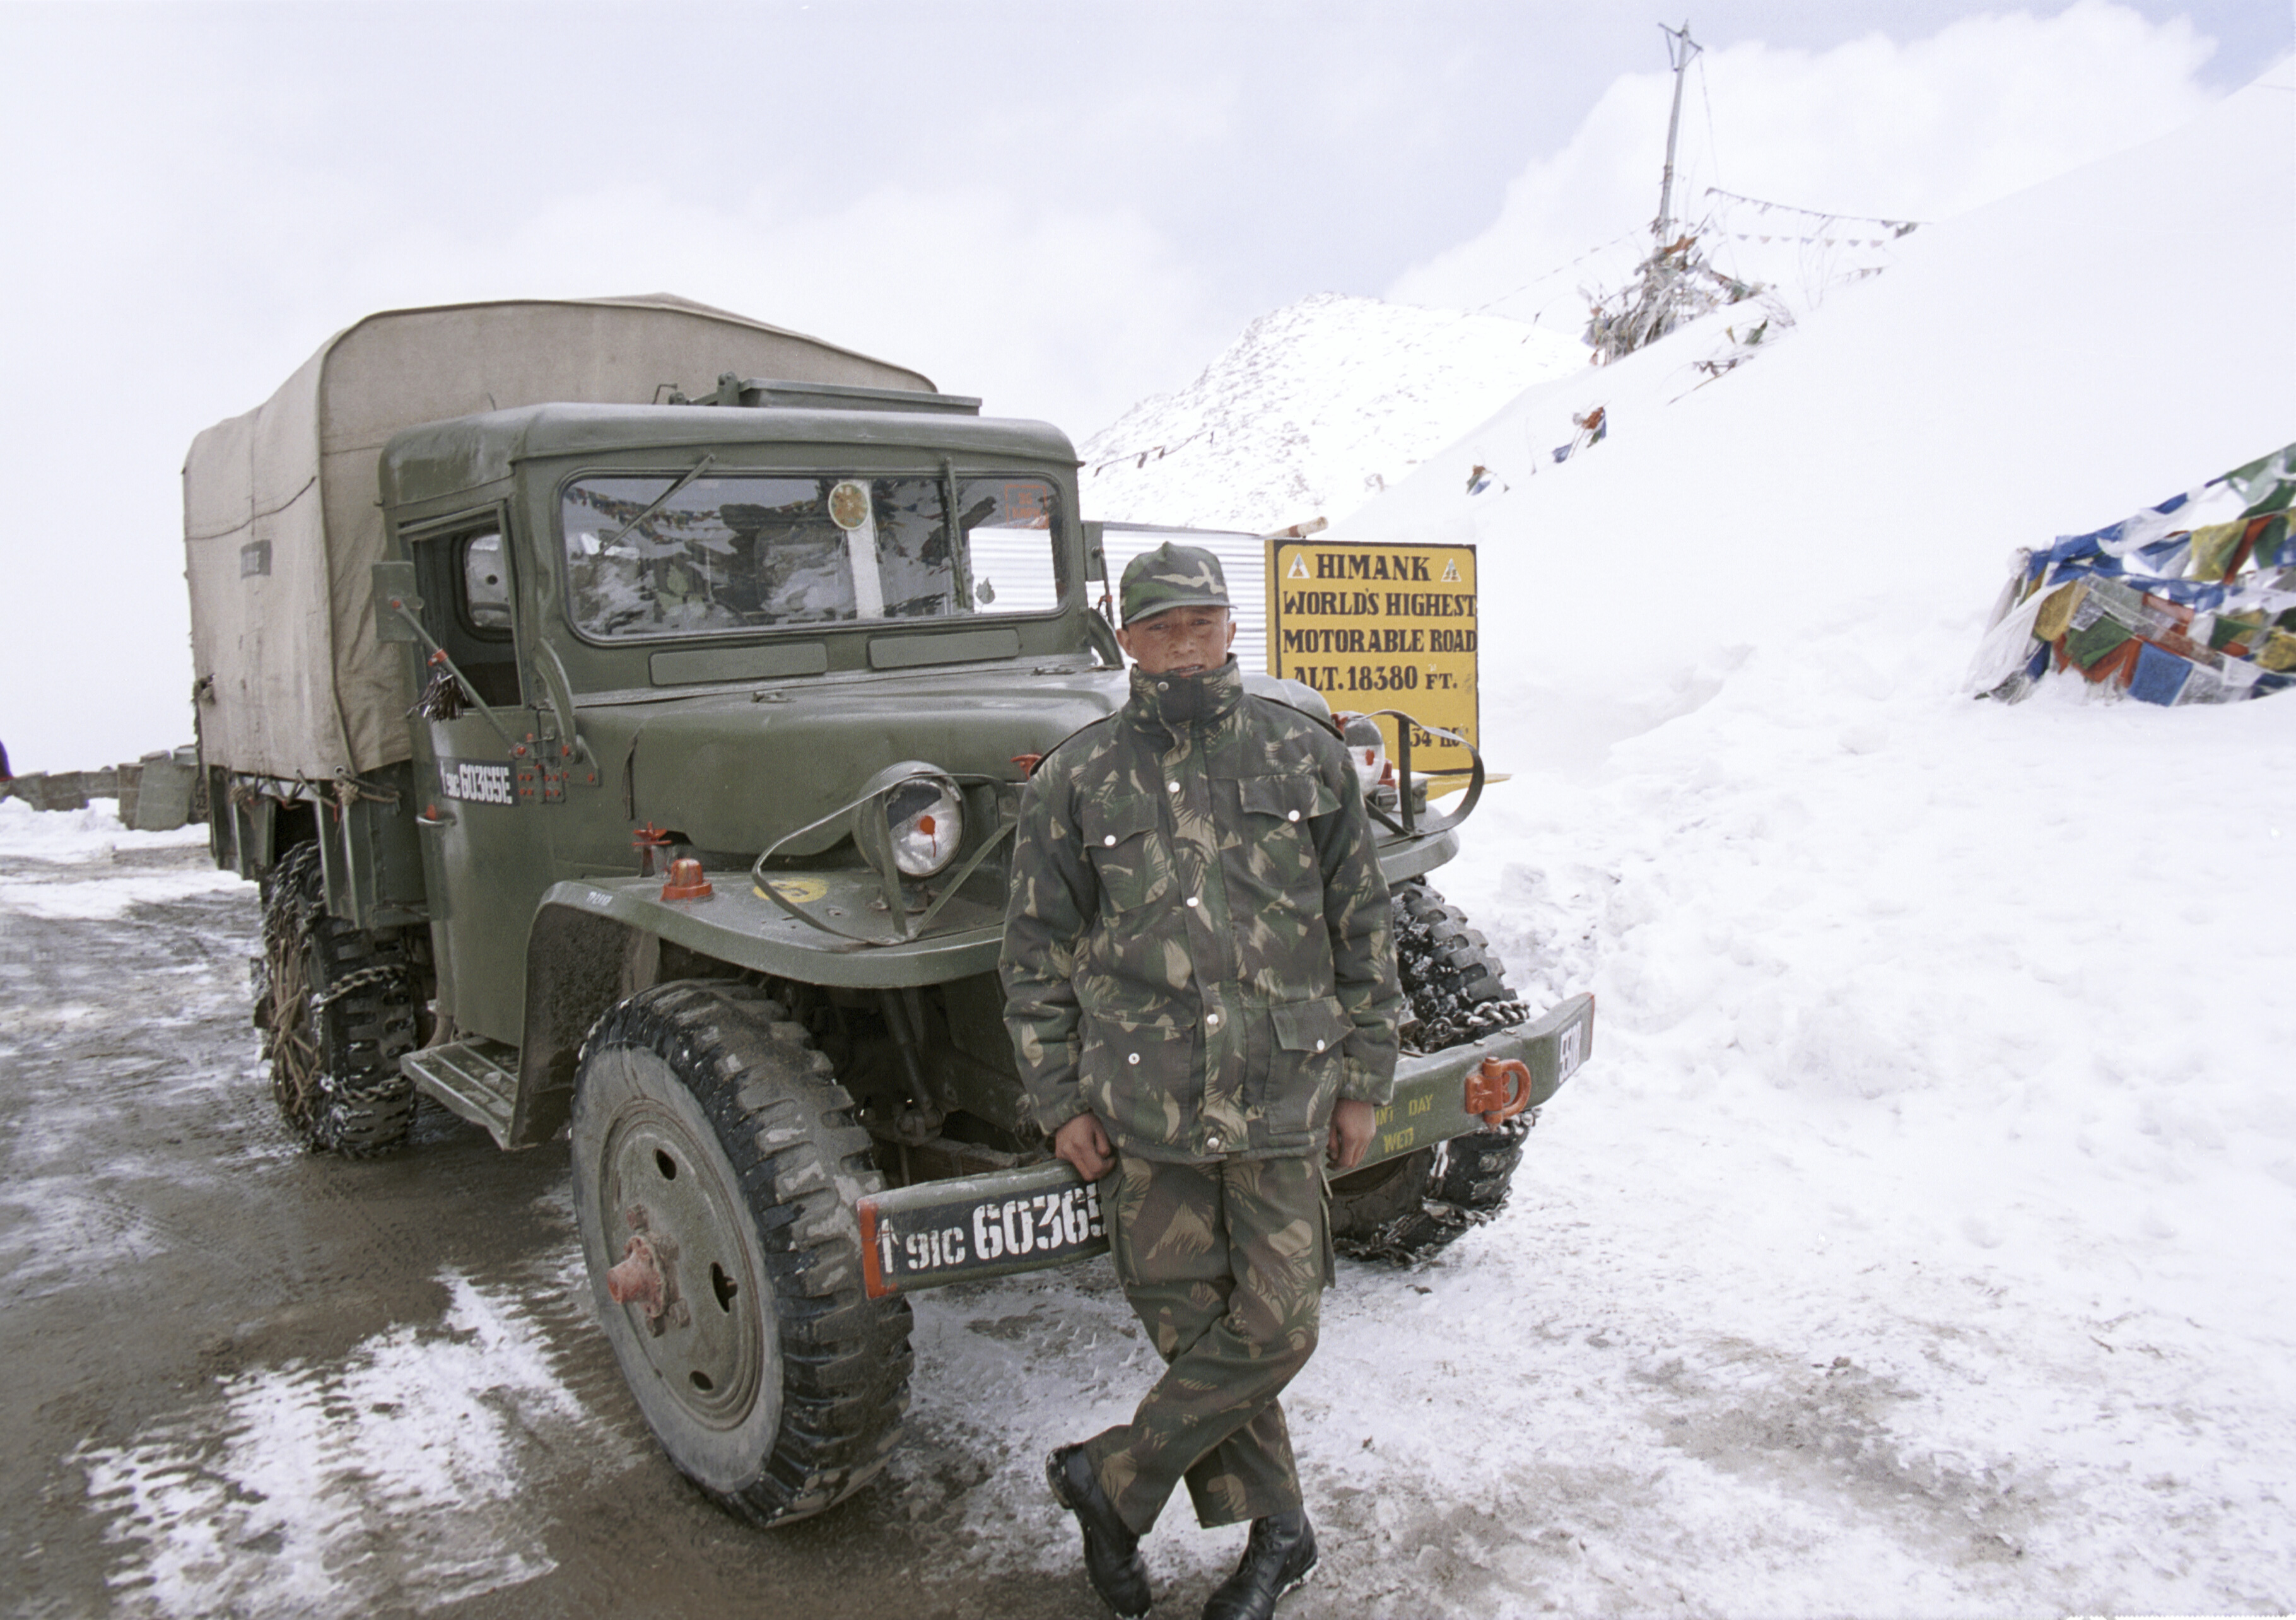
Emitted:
pixel 735 552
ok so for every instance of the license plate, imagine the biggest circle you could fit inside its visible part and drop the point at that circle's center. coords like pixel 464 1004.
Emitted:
pixel 993 1225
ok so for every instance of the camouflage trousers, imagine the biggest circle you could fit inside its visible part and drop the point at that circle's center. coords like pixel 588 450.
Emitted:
pixel 1224 1264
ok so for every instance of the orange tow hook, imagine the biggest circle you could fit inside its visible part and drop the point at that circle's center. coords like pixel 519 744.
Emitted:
pixel 1498 1090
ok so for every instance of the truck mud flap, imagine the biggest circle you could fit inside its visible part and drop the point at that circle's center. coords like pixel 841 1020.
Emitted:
pixel 1039 1216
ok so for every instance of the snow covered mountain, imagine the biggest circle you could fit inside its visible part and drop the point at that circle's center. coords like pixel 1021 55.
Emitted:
pixel 1313 410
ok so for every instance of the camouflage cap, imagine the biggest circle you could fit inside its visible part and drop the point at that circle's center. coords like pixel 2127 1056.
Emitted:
pixel 1171 576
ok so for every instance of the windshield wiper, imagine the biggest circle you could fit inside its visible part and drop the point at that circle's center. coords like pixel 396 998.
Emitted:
pixel 660 501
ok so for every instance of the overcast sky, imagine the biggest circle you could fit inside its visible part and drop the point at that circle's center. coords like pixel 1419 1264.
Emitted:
pixel 1062 206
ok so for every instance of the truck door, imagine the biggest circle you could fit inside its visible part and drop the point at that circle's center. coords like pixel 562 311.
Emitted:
pixel 484 814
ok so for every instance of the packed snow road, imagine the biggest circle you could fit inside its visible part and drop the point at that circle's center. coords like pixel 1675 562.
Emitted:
pixel 243 1379
pixel 247 1380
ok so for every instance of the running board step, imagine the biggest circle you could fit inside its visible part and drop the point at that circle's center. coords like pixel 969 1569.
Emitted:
pixel 478 1079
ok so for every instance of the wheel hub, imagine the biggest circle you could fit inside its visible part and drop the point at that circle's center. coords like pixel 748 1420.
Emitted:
pixel 647 1276
pixel 684 1276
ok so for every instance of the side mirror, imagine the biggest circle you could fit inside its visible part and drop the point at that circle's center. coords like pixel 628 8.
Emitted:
pixel 1103 638
pixel 398 610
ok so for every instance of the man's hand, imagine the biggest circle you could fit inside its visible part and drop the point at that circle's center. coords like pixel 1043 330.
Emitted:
pixel 1085 1145
pixel 1351 1131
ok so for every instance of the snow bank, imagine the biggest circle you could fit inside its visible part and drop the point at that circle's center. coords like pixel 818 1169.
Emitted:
pixel 54 851
pixel 2035 368
pixel 1955 1031
pixel 93 834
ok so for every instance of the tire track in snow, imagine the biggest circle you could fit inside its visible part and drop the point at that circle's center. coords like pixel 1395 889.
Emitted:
pixel 390 1478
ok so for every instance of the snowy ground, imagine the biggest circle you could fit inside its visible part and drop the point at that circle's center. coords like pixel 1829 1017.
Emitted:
pixel 1917 1242
pixel 96 871
pixel 1790 1314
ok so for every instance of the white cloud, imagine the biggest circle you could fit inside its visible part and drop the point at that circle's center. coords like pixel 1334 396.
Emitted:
pixel 1924 130
pixel 983 289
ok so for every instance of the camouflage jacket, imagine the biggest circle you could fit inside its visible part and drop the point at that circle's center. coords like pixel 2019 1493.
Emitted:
pixel 1198 946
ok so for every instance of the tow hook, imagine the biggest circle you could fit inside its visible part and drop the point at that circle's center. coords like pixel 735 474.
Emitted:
pixel 1499 1090
pixel 646 1277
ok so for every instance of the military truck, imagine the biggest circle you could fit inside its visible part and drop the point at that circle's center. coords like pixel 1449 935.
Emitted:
pixel 624 706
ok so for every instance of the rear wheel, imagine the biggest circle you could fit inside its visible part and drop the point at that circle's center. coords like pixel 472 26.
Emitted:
pixel 715 1170
pixel 337 1006
pixel 1455 991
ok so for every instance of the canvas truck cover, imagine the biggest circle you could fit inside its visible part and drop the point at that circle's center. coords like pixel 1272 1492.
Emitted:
pixel 281 520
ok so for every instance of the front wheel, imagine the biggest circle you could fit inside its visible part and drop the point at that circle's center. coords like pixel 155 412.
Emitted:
pixel 715 1170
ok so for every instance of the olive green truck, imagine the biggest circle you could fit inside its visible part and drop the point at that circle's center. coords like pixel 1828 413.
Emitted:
pixel 624 706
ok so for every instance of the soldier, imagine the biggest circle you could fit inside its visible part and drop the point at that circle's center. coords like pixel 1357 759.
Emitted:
pixel 1201 985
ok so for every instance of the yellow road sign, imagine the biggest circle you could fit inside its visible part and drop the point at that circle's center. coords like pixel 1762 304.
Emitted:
pixel 1380 626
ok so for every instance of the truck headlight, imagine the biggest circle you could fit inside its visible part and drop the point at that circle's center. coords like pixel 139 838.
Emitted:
pixel 911 819
pixel 925 819
pixel 1367 750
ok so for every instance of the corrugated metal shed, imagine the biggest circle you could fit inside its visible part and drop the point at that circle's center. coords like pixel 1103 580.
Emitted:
pixel 1243 558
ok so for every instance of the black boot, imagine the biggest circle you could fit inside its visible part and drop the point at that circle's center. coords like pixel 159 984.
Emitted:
pixel 1279 1556
pixel 1111 1552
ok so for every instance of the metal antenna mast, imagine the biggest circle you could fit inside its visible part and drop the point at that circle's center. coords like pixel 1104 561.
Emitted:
pixel 1680 48
pixel 1675 284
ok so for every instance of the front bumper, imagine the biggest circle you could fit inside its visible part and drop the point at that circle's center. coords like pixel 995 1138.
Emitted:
pixel 1039 1216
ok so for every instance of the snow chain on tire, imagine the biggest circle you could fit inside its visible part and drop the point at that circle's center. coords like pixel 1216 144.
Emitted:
pixel 337 1006
pixel 365 978
pixel 1455 991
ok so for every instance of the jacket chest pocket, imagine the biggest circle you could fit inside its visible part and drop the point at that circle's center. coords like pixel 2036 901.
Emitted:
pixel 1279 849
pixel 1128 852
